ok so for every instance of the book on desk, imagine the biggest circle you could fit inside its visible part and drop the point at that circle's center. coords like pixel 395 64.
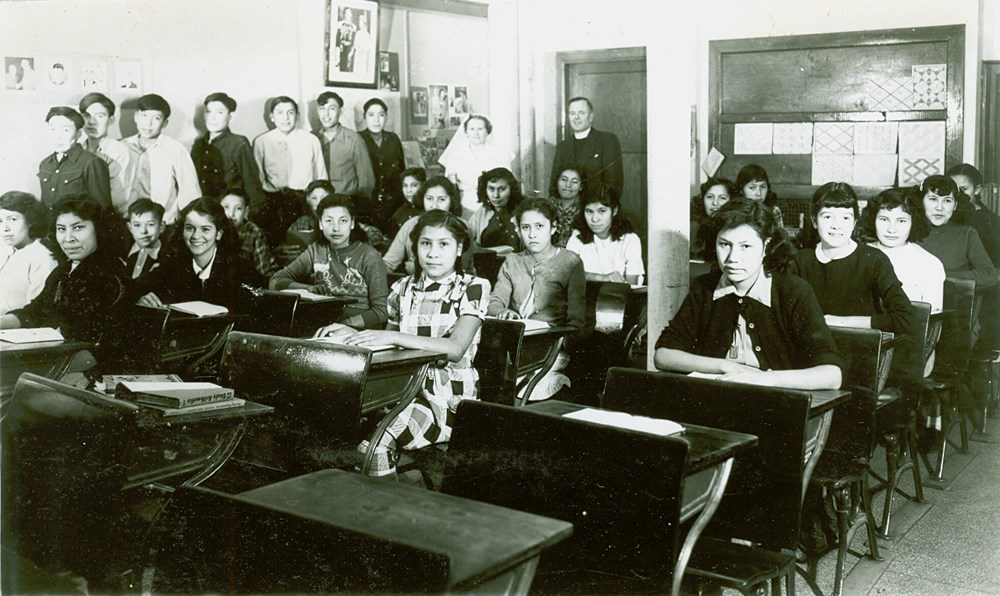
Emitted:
pixel 199 308
pixel 175 398
pixel 30 335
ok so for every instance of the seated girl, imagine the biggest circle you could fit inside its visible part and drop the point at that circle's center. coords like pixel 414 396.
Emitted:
pixel 958 246
pixel 204 264
pixel 604 239
pixel 25 263
pixel 492 225
pixel 752 183
pixel 439 308
pixel 340 263
pixel 715 192
pixel 570 186
pixel 972 211
pixel 751 321
pixel 82 295
pixel 413 179
pixel 436 193
pixel 307 229
pixel 855 283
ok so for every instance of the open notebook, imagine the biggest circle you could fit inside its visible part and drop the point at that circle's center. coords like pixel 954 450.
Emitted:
pixel 306 294
pixel 199 308
pixel 655 426
pixel 530 324
pixel 30 335
pixel 340 342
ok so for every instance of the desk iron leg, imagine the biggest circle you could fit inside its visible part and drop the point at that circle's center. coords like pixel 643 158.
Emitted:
pixel 715 496
pixel 822 432
pixel 408 395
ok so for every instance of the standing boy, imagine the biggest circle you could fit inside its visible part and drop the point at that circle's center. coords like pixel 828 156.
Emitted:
pixel 253 245
pixel 145 221
pixel 224 159
pixel 347 161
pixel 71 169
pixel 98 115
pixel 288 158
pixel 164 171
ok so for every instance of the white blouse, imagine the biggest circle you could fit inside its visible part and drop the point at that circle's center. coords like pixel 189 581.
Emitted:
pixel 22 274
pixel 606 256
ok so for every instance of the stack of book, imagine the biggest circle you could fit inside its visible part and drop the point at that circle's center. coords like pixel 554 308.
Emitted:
pixel 172 398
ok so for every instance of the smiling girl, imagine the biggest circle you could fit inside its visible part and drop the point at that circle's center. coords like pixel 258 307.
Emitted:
pixel 436 193
pixel 750 321
pixel 340 263
pixel 604 239
pixel 855 283
pixel 439 308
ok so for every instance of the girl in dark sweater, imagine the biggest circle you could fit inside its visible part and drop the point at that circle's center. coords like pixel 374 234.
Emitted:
pixel 855 283
pixel 751 322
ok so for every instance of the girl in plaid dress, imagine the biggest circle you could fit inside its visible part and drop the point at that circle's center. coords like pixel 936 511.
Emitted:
pixel 438 308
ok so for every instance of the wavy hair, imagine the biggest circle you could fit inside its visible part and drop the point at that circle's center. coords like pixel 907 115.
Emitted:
pixel 889 199
pixel 778 249
pixel 500 174
pixel 455 207
pixel 607 196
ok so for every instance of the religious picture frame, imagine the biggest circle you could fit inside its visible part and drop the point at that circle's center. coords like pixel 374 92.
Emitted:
pixel 352 58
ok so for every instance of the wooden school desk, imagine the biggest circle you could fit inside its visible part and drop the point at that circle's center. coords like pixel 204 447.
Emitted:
pixel 539 350
pixel 396 376
pixel 289 315
pixel 47 359
pixel 490 549
pixel 710 459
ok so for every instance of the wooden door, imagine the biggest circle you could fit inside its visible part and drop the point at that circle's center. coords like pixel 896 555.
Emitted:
pixel 990 118
pixel 617 88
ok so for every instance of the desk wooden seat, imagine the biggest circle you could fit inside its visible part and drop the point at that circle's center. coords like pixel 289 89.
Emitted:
pixel 334 531
pixel 48 359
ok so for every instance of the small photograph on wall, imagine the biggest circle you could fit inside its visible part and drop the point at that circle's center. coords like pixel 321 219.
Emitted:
pixel 388 71
pixel 418 105
pixel 94 75
pixel 19 73
pixel 351 55
pixel 460 100
pixel 128 77
pixel 55 73
pixel 438 106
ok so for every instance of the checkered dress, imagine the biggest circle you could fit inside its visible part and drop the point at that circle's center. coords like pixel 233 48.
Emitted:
pixel 431 309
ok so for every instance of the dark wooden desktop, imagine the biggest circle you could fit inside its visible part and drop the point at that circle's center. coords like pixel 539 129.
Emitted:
pixel 47 359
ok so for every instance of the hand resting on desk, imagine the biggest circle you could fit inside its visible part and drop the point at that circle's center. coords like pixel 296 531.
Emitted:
pixel 151 300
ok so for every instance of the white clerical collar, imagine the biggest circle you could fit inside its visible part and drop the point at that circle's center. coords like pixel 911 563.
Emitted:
pixel 582 135
pixel 822 257
pixel 759 291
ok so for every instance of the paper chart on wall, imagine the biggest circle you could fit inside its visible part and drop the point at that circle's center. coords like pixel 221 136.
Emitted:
pixel 875 137
pixel 712 162
pixel 831 168
pixel 890 94
pixel 792 138
pixel 930 89
pixel 874 170
pixel 913 170
pixel 753 138
pixel 833 137
pixel 922 138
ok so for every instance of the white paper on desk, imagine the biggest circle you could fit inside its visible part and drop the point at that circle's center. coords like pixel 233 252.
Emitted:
pixel 653 426
pixel 199 308
pixel 30 335
pixel 306 294
pixel 529 324
pixel 340 342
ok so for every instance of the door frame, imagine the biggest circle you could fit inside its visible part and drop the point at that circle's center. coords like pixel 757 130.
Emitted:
pixel 989 98
pixel 564 59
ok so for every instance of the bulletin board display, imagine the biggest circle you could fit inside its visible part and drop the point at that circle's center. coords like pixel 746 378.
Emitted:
pixel 872 108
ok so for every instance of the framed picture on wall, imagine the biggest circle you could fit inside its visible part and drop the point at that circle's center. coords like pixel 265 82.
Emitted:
pixel 128 77
pixel 19 73
pixel 94 75
pixel 56 73
pixel 418 105
pixel 351 56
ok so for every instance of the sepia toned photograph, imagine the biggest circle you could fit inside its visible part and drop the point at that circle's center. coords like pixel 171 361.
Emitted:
pixel 352 43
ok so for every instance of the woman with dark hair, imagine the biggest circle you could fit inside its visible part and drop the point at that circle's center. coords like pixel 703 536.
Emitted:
pixel 82 294
pixel 714 193
pixel 341 263
pixel 493 223
pixel 973 212
pixel 750 321
pixel 571 187
pixel 604 240
pixel 855 283
pixel 386 152
pixel 752 183
pixel 470 153
pixel 204 263
pixel 25 262
pixel 436 193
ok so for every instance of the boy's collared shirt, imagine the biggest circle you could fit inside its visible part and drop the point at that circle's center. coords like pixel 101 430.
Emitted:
pixel 347 162
pixel 173 181
pixel 121 167
pixel 141 261
pixel 227 162
pixel 254 249
pixel 288 161
pixel 79 171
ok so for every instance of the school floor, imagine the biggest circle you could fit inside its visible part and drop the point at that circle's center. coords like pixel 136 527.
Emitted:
pixel 948 545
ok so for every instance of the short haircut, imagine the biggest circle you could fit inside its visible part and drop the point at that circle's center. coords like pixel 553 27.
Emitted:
pixel 778 250
pixel 889 199
pixel 754 173
pixel 942 186
pixel 455 207
pixel 486 122
pixel 967 170
pixel 222 98
pixel 698 201
pixel 500 174
pixel 590 106
pixel 36 216
pixel 236 191
pixel 376 102
pixel 141 206
pixel 415 172
pixel 323 184
pixel 832 195
pixel 58 65
pixel 605 195
pixel 66 112
pixel 339 200
pixel 228 245
pixel 326 96
pixel 440 219
pixel 153 102
pixel 92 98
pixel 283 99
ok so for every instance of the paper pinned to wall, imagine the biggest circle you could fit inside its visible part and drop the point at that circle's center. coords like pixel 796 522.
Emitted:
pixel 712 162
pixel 792 138
pixel 831 168
pixel 833 137
pixel 925 139
pixel 890 94
pixel 874 170
pixel 753 138
pixel 913 170
pixel 930 86
pixel 875 137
